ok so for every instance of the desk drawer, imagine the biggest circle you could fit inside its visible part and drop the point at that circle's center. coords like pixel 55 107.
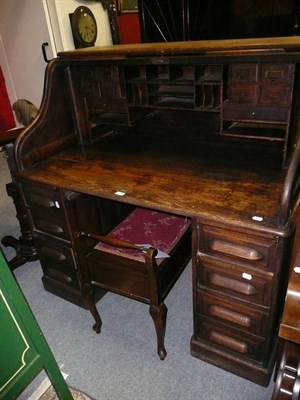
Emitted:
pixel 50 222
pixel 277 73
pixel 57 260
pixel 235 281
pixel 238 247
pixel 46 197
pixel 244 73
pixel 244 345
pixel 275 95
pixel 273 112
pixel 244 94
pixel 236 314
pixel 46 207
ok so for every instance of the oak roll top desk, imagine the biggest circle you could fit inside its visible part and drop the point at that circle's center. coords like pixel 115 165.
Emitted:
pixel 207 130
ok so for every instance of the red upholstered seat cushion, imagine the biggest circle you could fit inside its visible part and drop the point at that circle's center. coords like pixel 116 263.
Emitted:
pixel 161 230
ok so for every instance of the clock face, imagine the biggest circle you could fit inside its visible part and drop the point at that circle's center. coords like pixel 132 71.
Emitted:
pixel 87 27
pixel 84 27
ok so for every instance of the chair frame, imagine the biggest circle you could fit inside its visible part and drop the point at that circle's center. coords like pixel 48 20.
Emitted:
pixel 146 282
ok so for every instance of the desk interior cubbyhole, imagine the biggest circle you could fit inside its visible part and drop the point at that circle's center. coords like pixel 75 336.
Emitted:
pixel 181 96
pixel 179 74
pixel 209 73
pixel 208 96
pixel 137 94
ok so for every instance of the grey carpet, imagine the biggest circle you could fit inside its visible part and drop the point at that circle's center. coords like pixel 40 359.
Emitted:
pixel 121 363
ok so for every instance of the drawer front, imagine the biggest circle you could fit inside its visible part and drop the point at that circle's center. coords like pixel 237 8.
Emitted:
pixel 50 222
pixel 281 73
pixel 234 281
pixel 232 313
pixel 57 261
pixel 255 113
pixel 238 247
pixel 244 94
pixel 46 210
pixel 244 73
pixel 275 95
pixel 244 345
pixel 42 196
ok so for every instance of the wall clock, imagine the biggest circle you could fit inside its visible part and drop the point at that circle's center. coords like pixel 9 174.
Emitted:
pixel 84 27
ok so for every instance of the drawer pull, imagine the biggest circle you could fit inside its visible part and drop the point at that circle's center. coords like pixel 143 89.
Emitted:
pixel 41 201
pixel 49 226
pixel 230 316
pixel 59 276
pixel 228 342
pixel 232 284
pixel 54 254
pixel 235 250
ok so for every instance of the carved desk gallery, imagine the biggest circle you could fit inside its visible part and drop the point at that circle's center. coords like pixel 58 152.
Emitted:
pixel 206 130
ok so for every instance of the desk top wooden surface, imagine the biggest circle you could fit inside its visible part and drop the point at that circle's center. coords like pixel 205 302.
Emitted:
pixel 291 43
pixel 211 180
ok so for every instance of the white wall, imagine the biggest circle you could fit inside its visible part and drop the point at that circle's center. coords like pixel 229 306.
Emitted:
pixel 24 26
pixel 59 11
pixel 23 31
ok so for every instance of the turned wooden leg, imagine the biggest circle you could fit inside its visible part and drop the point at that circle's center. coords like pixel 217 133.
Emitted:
pixel 159 316
pixel 24 246
pixel 88 299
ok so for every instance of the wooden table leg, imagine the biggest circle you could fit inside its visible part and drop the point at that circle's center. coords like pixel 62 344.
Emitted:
pixel 24 246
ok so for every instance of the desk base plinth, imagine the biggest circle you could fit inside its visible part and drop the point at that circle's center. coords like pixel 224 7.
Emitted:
pixel 255 372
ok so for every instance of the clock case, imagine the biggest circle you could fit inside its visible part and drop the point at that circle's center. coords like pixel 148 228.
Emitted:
pixel 79 42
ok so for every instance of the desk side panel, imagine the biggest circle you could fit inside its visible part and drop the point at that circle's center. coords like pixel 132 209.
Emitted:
pixel 52 130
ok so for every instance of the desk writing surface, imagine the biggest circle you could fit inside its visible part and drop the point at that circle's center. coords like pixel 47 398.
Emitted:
pixel 213 180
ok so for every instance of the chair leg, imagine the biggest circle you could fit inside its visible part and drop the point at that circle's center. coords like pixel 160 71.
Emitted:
pixel 88 299
pixel 159 316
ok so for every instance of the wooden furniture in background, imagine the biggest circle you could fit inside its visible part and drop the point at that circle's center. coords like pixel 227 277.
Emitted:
pixel 288 361
pixel 196 129
pixel 24 245
pixel 24 350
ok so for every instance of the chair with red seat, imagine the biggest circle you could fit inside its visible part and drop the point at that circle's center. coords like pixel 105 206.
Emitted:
pixel 141 258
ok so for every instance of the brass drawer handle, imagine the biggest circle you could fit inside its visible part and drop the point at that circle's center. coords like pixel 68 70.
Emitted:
pixel 236 250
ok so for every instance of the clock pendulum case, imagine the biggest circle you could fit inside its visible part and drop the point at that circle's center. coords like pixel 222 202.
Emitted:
pixel 84 27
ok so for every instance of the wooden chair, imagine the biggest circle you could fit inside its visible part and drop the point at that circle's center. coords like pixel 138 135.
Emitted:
pixel 118 264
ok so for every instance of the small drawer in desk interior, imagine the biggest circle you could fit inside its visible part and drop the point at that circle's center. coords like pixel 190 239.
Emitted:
pixel 244 73
pixel 234 281
pixel 237 247
pixel 277 73
pixel 244 94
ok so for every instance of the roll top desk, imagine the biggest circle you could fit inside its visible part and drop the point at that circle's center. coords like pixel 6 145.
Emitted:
pixel 207 130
